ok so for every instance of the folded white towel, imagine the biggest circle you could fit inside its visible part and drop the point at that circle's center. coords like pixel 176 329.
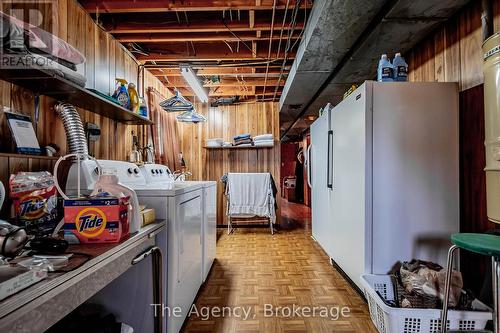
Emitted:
pixel 264 143
pixel 250 193
pixel 263 137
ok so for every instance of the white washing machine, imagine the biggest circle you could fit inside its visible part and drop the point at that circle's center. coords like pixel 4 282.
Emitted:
pixel 181 204
pixel 209 227
pixel 156 173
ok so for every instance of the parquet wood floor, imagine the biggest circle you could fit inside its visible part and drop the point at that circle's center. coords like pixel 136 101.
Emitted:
pixel 254 268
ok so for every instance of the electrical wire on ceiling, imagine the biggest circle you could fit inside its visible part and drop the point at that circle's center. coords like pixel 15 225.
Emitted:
pixel 291 30
pixel 135 48
pixel 241 40
pixel 192 46
pixel 302 30
pixel 282 27
pixel 229 46
pixel 270 45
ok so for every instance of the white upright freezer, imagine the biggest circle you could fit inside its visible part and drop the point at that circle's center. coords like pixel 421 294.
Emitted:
pixel 384 171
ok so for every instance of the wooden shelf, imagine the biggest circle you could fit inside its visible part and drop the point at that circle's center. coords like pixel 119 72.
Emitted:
pixel 38 157
pixel 45 83
pixel 239 147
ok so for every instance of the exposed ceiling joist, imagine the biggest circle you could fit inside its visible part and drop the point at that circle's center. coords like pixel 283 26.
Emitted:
pixel 199 37
pixel 208 56
pixel 219 71
pixel 195 27
pixel 227 92
pixel 132 6
pixel 176 82
pixel 234 40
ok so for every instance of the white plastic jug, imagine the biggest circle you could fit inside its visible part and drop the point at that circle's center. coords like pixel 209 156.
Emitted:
pixel 108 182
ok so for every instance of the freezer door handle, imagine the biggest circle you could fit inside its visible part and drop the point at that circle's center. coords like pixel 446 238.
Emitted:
pixel 308 164
pixel 329 169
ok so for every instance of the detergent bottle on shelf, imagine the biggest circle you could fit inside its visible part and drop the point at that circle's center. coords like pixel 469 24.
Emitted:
pixel 121 93
pixel 143 109
pixel 108 183
pixel 134 98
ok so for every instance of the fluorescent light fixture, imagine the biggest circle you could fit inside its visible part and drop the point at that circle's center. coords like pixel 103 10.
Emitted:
pixel 193 82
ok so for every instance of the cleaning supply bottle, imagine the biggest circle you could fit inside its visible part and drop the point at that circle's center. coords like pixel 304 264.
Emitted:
pixel 400 68
pixel 143 109
pixel 385 70
pixel 121 93
pixel 134 98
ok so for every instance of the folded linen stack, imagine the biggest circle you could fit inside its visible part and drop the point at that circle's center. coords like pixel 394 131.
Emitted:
pixel 217 142
pixel 243 140
pixel 264 140
pixel 28 45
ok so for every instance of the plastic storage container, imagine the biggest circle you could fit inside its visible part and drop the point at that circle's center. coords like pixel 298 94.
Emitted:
pixel 400 320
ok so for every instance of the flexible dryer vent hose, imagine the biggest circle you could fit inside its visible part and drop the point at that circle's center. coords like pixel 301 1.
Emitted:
pixel 73 126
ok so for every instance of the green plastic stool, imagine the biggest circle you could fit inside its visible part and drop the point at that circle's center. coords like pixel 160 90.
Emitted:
pixel 488 245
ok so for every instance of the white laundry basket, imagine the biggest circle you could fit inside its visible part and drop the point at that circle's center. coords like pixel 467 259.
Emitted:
pixel 399 320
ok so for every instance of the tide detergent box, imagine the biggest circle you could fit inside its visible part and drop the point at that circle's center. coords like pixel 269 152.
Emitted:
pixel 96 220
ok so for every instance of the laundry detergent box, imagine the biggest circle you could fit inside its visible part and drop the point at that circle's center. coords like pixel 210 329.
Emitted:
pixel 96 220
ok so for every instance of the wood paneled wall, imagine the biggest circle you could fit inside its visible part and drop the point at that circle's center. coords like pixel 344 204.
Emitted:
pixel 106 60
pixel 225 122
pixel 453 54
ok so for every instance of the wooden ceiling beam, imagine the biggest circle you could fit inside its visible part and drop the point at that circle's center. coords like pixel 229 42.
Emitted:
pixel 176 82
pixel 209 56
pixel 176 73
pixel 245 83
pixel 195 27
pixel 132 6
pixel 228 93
pixel 199 37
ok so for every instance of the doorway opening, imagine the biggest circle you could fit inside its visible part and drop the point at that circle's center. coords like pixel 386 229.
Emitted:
pixel 295 193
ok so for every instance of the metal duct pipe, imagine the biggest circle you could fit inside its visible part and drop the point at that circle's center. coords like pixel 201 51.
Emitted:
pixel 73 126
pixel 491 69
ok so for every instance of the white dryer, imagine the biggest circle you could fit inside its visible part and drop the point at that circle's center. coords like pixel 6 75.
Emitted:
pixel 161 174
pixel 182 206
pixel 209 226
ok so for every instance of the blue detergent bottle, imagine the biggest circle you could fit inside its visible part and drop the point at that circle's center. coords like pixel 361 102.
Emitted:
pixel 385 70
pixel 400 68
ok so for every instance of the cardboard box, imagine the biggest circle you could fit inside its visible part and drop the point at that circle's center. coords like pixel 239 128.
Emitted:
pixel 97 220
pixel 148 216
